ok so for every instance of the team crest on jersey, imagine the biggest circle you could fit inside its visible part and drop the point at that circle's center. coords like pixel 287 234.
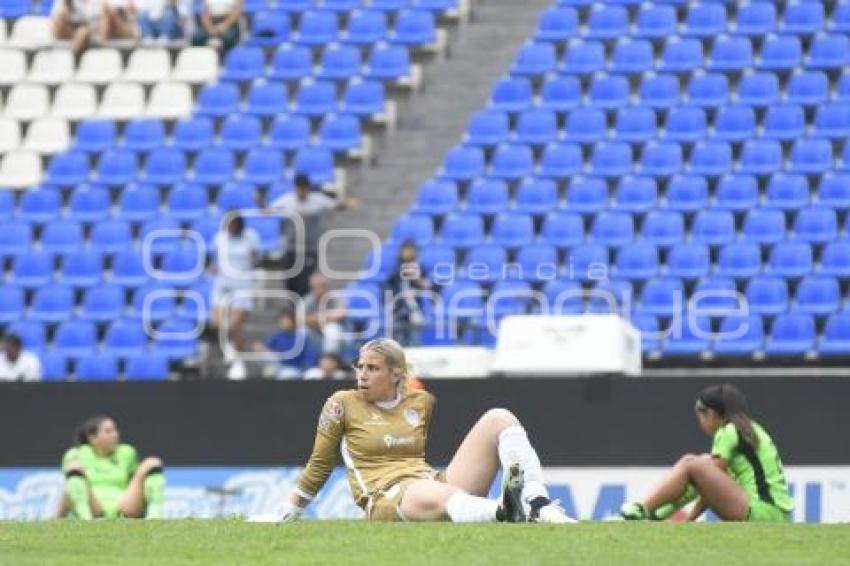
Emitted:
pixel 411 416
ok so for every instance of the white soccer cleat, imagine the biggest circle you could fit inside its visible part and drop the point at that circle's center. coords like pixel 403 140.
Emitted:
pixel 548 511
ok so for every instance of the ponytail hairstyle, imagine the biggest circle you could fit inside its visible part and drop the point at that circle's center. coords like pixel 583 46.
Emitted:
pixel 87 428
pixel 728 402
pixel 394 357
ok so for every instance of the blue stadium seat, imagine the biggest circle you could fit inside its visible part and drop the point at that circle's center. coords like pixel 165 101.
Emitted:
pixel 62 236
pixel 803 18
pixel 365 27
pixel 40 206
pixel 192 134
pixel 607 22
pixel 784 122
pixel 187 201
pixel 760 157
pixel 146 367
pixel 681 55
pixel 608 92
pixel 686 124
pixel 144 134
pixel 117 167
pixel 218 100
pixel 538 262
pixel 487 196
pixel 512 162
pixel 341 6
pixel 832 121
pixel 787 191
pixel 269 28
pixel 536 127
pixel 840 20
pixel 613 229
pixel 836 335
pixel 317 27
pixel 611 159
pixel 562 229
pixel 563 297
pixel 587 195
pixel 33 270
pixel 99 367
pixel 810 156
pixel 611 295
pixel 436 257
pixel 713 227
pixel 294 6
pixel 739 335
pixel 463 163
pixel 488 128
pixel 289 132
pixel 829 51
pixel 139 202
pixel 715 295
pixel 755 19
pixel 764 226
pixel 214 166
pixel 663 228
pixel 89 204
pixel 235 195
pixel 735 123
pixel 586 125
pixel 462 230
pixel 75 338
pixel 780 53
pixel 637 261
pixel 560 161
pixel 816 224
pixel 834 190
pixel 560 93
pixel 266 99
pixel 507 298
pixel 632 56
pixel 635 124
pixel 340 133
pixel 162 235
pixel 740 260
pixel 363 98
pixel 661 158
pixel 52 303
pixel 486 263
pixel 436 198
pixel 15 238
pixel 339 62
pixel 95 135
pixel 315 98
pixel 818 295
pixel 688 261
pixel 647 324
pixel 176 339
pixel 662 296
pixel 711 158
pixel 54 367
pixel 11 304
pixel 207 227
pixel 128 269
pixel 388 63
pixel 511 94
pixel 791 259
pixel 730 53
pixel 181 264
pixel 7 205
pixel 583 58
pixel 534 59
pixel 153 301
pixel 692 337
pixel 758 89
pixel 67 168
pixel 706 19
pixel 315 162
pixel 83 268
pixel 512 230
pixel 413 228
pixel 655 22
pixel 31 332
pixel 737 193
pixel 687 193
pixel 557 24
pixel 791 334
pixel 263 166
pixel 585 261
pixel 708 90
pixel 808 88
pixel 125 337
pixel 103 303
pixel 291 63
pixel 636 194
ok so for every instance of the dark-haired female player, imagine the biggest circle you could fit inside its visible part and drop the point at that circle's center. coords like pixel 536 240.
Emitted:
pixel 741 480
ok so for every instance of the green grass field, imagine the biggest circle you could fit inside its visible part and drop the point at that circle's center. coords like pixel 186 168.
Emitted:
pixel 127 543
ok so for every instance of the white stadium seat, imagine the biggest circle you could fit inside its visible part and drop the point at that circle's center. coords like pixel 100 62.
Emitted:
pixel 148 66
pixel 31 32
pixel 20 169
pixel 196 65
pixel 100 66
pixel 48 136
pixel 27 102
pixel 52 67
pixel 122 101
pixel 170 100
pixel 13 66
pixel 75 101
pixel 10 135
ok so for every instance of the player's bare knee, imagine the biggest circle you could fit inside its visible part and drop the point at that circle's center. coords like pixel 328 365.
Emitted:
pixel 502 418
pixel 686 460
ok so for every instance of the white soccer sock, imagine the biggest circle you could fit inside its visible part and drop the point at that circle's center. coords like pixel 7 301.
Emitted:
pixel 515 447
pixel 465 508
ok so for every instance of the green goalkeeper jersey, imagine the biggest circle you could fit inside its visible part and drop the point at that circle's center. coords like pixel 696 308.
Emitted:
pixel 108 476
pixel 758 471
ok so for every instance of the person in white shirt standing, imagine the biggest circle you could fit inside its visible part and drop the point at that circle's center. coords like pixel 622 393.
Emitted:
pixel 17 364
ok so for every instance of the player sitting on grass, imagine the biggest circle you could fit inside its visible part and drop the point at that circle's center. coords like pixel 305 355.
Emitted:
pixel 381 430
pixel 742 478
pixel 104 478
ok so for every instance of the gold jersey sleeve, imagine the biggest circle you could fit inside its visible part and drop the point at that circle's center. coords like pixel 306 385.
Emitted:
pixel 380 446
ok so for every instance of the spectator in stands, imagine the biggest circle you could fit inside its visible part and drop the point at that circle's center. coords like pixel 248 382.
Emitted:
pixel 219 20
pixel 118 20
pixel 73 21
pixel 331 367
pixel 408 285
pixel 17 364
pixel 238 250
pixel 293 342
pixel 163 19
pixel 324 312
pixel 313 208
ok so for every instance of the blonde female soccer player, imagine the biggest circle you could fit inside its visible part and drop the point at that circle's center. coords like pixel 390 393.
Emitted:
pixel 741 480
pixel 381 430
pixel 103 478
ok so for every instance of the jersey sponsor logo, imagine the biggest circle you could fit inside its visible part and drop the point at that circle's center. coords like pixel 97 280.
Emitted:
pixel 375 419
pixel 398 441
pixel 411 416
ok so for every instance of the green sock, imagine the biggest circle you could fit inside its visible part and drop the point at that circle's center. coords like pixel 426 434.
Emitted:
pixel 78 493
pixel 154 494
pixel 666 510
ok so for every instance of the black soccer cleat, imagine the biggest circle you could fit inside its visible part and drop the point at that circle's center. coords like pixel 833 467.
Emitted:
pixel 511 509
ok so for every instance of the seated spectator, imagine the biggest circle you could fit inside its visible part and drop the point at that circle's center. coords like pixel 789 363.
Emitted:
pixel 331 367
pixel 163 19
pixel 17 364
pixel 288 351
pixel 73 21
pixel 118 20
pixel 408 285
pixel 324 312
pixel 219 20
